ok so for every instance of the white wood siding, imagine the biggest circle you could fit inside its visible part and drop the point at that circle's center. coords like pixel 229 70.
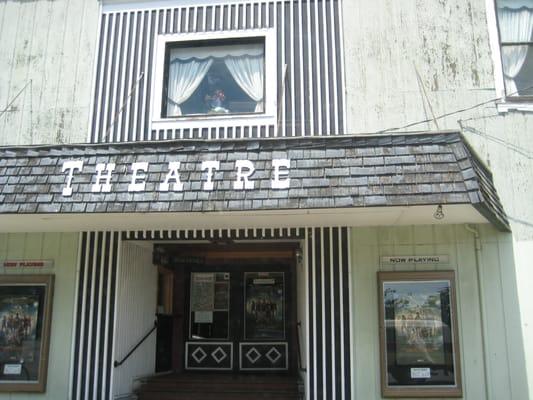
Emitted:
pixel 505 359
pixel 47 51
pixel 135 314
pixel 63 249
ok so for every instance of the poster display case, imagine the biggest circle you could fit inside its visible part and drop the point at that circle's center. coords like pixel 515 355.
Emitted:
pixel 418 334
pixel 25 315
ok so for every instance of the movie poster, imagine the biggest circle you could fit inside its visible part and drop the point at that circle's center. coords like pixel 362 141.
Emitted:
pixel 264 306
pixel 20 331
pixel 415 311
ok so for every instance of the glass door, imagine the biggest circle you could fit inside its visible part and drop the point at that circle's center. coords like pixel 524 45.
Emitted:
pixel 237 321
pixel 264 346
pixel 209 345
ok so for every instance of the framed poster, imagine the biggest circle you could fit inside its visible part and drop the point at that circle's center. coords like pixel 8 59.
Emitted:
pixel 25 315
pixel 418 334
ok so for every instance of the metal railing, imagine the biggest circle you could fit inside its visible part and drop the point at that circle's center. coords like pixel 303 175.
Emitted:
pixel 300 368
pixel 119 363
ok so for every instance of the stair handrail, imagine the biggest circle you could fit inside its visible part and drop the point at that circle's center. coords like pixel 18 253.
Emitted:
pixel 300 368
pixel 119 363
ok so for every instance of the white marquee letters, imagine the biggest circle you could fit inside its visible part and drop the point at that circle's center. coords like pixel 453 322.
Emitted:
pixel 106 187
pixel 210 166
pixel 244 169
pixel 135 186
pixel 173 173
pixel 242 181
pixel 277 164
pixel 70 166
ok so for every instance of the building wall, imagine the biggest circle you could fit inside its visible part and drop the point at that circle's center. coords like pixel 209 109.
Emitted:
pixel 500 327
pixel 63 249
pixel 412 60
pixel 47 50
pixel 135 315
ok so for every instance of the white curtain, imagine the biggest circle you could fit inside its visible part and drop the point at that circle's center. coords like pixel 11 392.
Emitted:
pixel 516 25
pixel 184 76
pixel 248 72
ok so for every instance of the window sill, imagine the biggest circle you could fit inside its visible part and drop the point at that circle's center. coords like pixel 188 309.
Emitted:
pixel 212 121
pixel 506 106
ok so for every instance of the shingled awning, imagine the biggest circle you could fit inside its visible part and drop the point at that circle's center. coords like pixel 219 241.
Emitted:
pixel 342 172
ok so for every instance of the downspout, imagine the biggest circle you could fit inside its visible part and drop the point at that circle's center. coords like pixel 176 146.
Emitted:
pixel 481 296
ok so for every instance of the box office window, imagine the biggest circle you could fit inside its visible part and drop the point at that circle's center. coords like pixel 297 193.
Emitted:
pixel 515 23
pixel 214 77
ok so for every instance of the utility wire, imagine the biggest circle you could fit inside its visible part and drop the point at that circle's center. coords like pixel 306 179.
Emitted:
pixel 495 139
pixel 449 113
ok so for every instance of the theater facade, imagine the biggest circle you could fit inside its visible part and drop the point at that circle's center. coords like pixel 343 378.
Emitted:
pixel 222 233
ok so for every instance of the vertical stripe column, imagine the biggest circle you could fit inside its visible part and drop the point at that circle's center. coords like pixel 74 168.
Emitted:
pixel 329 314
pixel 93 336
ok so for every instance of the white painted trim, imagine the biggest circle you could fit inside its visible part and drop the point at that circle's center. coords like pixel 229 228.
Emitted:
pixel 83 306
pixel 292 41
pixel 87 369
pixel 318 129
pixel 74 316
pixel 301 67
pixel 313 296
pixel 109 271
pixel 363 216
pixel 209 121
pixel 120 5
pixel 506 106
pixel 282 96
pixel 101 269
pixel 335 76
pixel 312 128
pixel 115 316
pixel 351 303
pixel 325 60
pixel 332 291
pixel 341 311
pixel 306 263
pixel 325 354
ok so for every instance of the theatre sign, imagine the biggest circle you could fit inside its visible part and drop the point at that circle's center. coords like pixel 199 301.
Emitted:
pixel 244 169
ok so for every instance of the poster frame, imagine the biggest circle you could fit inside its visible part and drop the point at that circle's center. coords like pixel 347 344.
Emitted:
pixel 43 331
pixel 388 351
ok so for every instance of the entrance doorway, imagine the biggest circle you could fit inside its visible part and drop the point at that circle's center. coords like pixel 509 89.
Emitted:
pixel 233 308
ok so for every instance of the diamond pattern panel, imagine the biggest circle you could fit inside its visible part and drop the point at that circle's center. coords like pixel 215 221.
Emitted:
pixel 264 356
pixel 209 355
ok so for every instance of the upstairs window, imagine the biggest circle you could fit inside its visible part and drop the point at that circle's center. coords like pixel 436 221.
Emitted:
pixel 515 22
pixel 214 77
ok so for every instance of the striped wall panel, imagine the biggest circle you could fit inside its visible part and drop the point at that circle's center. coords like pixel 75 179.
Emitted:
pixel 329 314
pixel 93 337
pixel 309 56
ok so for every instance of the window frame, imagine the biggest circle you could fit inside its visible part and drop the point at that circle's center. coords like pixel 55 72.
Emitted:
pixel 507 103
pixel 166 41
